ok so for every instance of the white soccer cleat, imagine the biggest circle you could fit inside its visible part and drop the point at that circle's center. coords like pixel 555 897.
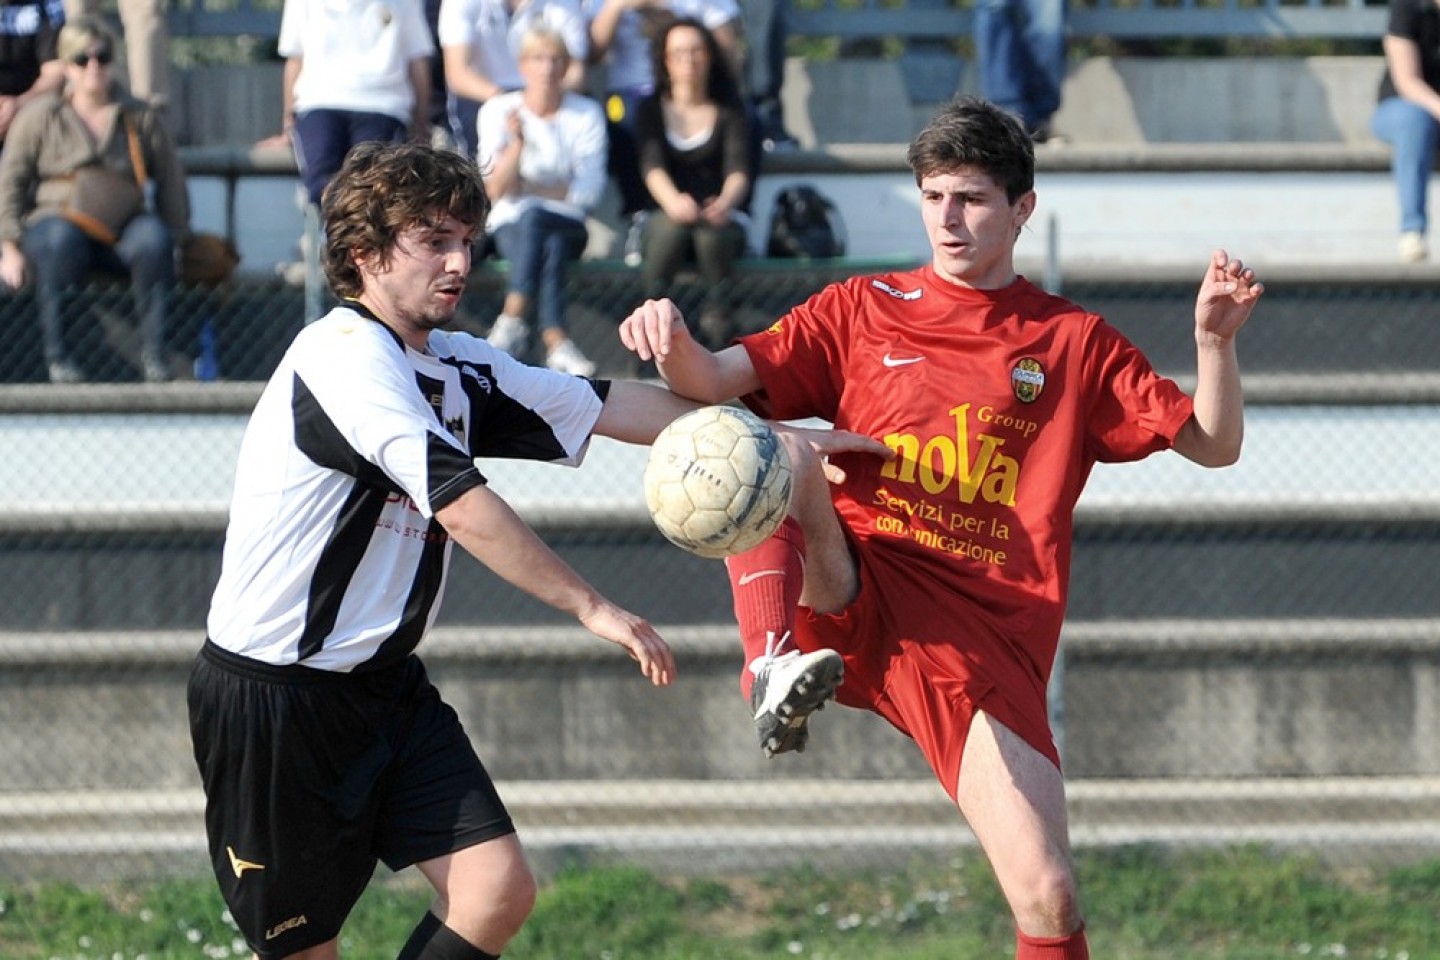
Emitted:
pixel 788 688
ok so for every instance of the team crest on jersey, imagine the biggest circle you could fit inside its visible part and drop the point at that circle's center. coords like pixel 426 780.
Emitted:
pixel 775 327
pixel 896 292
pixel 1027 379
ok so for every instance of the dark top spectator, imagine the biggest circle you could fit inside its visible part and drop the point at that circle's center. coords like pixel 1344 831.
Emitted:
pixel 1408 114
pixel 694 156
pixel 28 63
pixel 620 35
pixel 91 123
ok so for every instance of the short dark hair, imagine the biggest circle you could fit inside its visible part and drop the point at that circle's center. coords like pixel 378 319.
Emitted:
pixel 381 190
pixel 971 132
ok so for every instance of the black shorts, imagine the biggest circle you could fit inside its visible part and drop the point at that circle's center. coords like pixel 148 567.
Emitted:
pixel 311 777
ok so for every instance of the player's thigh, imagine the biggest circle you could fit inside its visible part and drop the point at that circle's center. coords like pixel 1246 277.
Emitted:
pixel 1013 797
pixel 832 578
pixel 289 867
pixel 440 799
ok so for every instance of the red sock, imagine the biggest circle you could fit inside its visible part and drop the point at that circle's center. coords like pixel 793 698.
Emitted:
pixel 766 584
pixel 1072 947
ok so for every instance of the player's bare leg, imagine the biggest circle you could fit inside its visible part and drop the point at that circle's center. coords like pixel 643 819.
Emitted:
pixel 483 895
pixel 783 685
pixel 1014 800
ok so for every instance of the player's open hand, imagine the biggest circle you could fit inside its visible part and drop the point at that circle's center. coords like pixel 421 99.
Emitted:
pixel 637 636
pixel 826 442
pixel 653 329
pixel 1227 295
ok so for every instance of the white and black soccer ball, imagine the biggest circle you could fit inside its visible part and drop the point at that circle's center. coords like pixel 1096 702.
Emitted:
pixel 718 481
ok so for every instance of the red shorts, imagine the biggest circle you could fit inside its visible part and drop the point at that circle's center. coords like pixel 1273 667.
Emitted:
pixel 924 659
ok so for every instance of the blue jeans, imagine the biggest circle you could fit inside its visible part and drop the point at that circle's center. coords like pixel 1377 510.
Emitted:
pixel 539 246
pixel 1021 48
pixel 1412 134
pixel 59 255
pixel 323 137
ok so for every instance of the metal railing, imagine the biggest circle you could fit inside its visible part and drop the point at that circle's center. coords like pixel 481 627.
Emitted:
pixel 1133 19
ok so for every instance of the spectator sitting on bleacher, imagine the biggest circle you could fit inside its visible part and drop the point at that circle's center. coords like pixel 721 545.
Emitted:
pixel 354 72
pixel 480 46
pixel 620 35
pixel 1408 114
pixel 89 125
pixel 146 24
pixel 694 156
pixel 542 150
pixel 29 67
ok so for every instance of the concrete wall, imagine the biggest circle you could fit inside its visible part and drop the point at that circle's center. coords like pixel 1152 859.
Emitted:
pixel 1114 100
pixel 1107 100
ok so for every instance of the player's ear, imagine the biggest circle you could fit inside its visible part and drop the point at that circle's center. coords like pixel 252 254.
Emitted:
pixel 1024 208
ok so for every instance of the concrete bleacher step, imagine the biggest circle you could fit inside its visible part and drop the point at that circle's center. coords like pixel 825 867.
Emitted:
pixel 713 826
pixel 1134 699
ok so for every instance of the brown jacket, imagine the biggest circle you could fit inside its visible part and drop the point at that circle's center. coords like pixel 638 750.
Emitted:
pixel 48 141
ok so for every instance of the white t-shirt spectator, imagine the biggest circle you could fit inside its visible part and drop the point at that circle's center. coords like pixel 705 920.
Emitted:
pixel 357 53
pixel 569 148
pixel 493 31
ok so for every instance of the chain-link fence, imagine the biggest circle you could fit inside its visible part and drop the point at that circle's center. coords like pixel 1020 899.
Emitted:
pixel 1252 654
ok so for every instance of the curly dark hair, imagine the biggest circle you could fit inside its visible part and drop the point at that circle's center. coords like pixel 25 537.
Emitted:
pixel 971 132
pixel 384 188
pixel 721 87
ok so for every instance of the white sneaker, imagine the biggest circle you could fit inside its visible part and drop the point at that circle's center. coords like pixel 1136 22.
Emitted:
pixel 1412 247
pixel 509 334
pixel 567 358
pixel 788 688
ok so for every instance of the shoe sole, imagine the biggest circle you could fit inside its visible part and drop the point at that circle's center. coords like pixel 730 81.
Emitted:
pixel 787 726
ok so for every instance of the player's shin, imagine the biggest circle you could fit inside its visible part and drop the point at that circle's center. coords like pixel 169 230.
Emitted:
pixel 1071 947
pixel 766 583
pixel 432 940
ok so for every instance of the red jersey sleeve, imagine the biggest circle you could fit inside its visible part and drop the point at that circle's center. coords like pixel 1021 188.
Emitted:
pixel 800 358
pixel 1132 410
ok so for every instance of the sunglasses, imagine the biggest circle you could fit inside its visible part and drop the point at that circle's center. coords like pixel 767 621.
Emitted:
pixel 102 57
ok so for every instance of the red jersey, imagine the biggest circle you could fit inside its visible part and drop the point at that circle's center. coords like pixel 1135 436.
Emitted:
pixel 997 403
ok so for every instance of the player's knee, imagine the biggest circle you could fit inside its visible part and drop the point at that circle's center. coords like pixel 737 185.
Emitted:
pixel 1049 903
pixel 492 912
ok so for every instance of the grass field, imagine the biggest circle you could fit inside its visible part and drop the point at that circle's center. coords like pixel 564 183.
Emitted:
pixel 1142 904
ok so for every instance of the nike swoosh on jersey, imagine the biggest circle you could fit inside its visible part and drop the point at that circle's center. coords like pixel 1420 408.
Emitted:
pixel 750 577
pixel 893 361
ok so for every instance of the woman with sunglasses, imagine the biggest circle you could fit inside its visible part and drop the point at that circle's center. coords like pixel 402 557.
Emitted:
pixel 90 122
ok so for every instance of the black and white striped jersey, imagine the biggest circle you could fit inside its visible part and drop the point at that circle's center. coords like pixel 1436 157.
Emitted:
pixel 333 558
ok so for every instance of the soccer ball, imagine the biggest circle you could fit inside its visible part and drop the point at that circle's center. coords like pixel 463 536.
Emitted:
pixel 717 482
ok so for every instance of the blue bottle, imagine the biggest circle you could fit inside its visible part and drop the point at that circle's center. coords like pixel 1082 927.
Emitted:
pixel 207 361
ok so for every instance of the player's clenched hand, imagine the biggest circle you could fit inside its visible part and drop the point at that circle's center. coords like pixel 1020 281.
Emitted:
pixel 637 636
pixel 827 442
pixel 653 328
pixel 1227 295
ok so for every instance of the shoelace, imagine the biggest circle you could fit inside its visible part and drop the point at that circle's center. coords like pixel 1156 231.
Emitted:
pixel 773 645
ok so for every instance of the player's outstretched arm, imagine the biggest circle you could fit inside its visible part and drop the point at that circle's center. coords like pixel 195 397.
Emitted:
pixel 1215 432
pixel 487 527
pixel 656 330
